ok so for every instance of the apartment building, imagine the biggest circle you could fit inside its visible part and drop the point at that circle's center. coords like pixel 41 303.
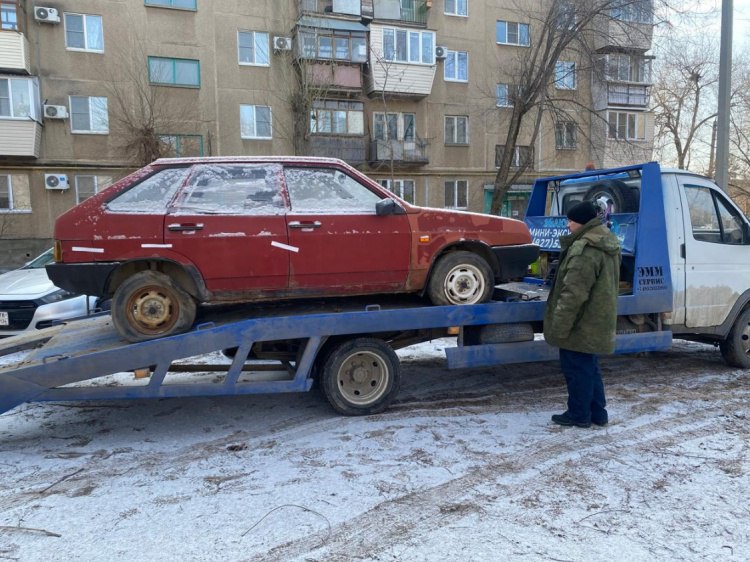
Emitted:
pixel 416 93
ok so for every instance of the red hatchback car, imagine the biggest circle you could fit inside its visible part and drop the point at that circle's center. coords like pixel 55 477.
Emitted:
pixel 181 232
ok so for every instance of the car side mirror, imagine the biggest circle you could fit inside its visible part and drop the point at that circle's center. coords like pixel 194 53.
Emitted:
pixel 388 206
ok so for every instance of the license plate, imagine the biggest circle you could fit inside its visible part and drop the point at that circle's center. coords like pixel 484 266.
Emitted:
pixel 4 320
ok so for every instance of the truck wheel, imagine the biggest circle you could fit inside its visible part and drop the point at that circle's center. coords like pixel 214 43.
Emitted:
pixel 616 195
pixel 360 376
pixel 736 348
pixel 460 278
pixel 150 304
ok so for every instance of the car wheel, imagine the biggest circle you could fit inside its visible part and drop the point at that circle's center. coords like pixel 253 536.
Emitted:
pixel 360 376
pixel 150 304
pixel 613 195
pixel 736 348
pixel 460 278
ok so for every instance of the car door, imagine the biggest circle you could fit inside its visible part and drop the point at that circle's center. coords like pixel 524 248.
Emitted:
pixel 338 244
pixel 229 221
pixel 717 253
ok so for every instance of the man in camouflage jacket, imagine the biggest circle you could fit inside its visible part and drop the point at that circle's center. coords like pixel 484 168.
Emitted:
pixel 581 312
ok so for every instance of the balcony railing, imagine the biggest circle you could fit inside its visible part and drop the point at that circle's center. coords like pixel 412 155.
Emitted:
pixel 401 152
pixel 346 7
pixel 627 94
pixel 412 11
pixel 352 150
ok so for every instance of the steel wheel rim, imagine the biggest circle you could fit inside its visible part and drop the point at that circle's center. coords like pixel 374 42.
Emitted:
pixel 744 339
pixel 363 378
pixel 153 309
pixel 464 284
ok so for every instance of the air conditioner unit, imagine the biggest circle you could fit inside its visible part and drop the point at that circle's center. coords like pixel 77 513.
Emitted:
pixel 46 15
pixel 56 181
pixel 441 52
pixel 55 112
pixel 282 44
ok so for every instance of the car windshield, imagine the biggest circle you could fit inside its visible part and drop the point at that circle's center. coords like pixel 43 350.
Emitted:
pixel 40 261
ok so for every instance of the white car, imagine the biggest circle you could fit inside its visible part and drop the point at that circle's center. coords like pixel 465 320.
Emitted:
pixel 29 300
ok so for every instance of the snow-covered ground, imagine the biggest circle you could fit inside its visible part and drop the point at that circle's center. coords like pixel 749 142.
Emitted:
pixel 464 467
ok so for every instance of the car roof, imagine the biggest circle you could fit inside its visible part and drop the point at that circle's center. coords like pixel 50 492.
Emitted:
pixel 243 159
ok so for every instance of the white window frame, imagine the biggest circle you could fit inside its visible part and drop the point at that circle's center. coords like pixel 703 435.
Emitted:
pixel 638 11
pixel 453 59
pixel 516 161
pixel 457 184
pixel 401 125
pixel 628 68
pixel 397 186
pixel 455 119
pixel 459 8
pixel 324 111
pixel 91 116
pixel 628 121
pixel 565 75
pixel 170 4
pixel 9 183
pixel 77 187
pixel 85 17
pixel 10 23
pixel 518 32
pixel 32 93
pixel 409 34
pixel 255 135
pixel 508 90
pixel 566 135
pixel 256 37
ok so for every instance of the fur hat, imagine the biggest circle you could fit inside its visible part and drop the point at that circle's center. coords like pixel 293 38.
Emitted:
pixel 583 212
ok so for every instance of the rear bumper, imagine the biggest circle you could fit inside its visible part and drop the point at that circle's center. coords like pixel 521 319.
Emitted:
pixel 513 261
pixel 82 278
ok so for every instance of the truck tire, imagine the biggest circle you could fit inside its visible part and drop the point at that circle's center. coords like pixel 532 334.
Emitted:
pixel 621 196
pixel 360 376
pixel 149 305
pixel 460 278
pixel 736 348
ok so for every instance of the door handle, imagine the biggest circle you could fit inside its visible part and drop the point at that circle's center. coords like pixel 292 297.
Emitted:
pixel 176 227
pixel 298 224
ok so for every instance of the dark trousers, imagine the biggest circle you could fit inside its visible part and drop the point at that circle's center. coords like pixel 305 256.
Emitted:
pixel 586 400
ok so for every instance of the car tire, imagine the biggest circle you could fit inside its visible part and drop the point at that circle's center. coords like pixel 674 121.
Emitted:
pixel 735 349
pixel 360 376
pixel 460 278
pixel 622 198
pixel 149 305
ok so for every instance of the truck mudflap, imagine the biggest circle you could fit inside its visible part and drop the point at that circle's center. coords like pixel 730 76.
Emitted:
pixel 538 350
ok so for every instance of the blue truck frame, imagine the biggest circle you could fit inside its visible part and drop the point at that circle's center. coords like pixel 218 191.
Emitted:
pixel 59 358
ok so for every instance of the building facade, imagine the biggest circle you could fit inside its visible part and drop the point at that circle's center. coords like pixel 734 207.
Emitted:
pixel 416 93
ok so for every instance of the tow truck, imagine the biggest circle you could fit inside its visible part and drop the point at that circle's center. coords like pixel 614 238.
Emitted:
pixel 685 274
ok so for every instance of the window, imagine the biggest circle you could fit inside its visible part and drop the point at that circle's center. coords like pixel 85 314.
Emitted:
pixel 456 67
pixel 152 195
pixel 565 75
pixel 503 95
pixel 8 16
pixel 18 98
pixel 408 45
pixel 565 135
pixel 255 121
pixel 84 32
pixel 627 68
pixel 327 191
pixel 512 33
pixel 565 16
pixel 86 186
pixel 174 72
pixel 402 188
pixel 181 145
pixel 456 7
pixel 337 117
pixel 6 193
pixel 456 129
pixel 522 156
pixel 338 45
pixel 180 4
pixel 626 126
pixel 635 11
pixel 88 114
pixel 252 47
pixel 394 126
pixel 456 194
pixel 713 219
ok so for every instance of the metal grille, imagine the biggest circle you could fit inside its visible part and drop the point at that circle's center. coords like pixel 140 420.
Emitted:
pixel 20 314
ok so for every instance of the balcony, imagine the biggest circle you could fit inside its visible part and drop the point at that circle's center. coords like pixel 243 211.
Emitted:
pixel 352 150
pixel 332 77
pixel 616 35
pixel 14 52
pixel 409 11
pixel 338 7
pixel 633 95
pixel 20 137
pixel 403 153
